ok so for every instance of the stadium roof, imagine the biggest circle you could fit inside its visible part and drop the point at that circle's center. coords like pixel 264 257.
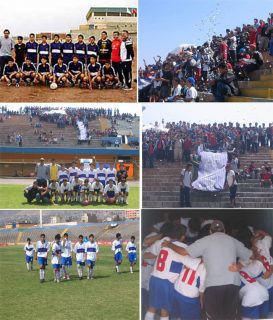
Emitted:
pixel 113 4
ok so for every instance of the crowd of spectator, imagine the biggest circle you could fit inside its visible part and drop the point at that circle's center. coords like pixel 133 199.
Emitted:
pixel 215 66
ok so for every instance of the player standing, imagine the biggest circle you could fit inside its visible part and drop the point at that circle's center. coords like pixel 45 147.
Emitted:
pixel 91 250
pixel 131 249
pixel 79 251
pixel 117 249
pixel 80 49
pixel 111 174
pixel 29 250
pixel 102 174
pixel 92 48
pixel 42 249
pixel 32 49
pixel 55 49
pixel 105 48
pixel 68 49
pixel 57 258
pixel 43 49
pixel 66 256
pixel 127 56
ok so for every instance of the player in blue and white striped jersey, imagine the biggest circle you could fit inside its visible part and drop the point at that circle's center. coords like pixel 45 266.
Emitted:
pixel 79 251
pixel 102 174
pixel 66 256
pixel 29 250
pixel 111 174
pixel 92 173
pixel 131 250
pixel 117 249
pixel 91 250
pixel 57 258
pixel 42 250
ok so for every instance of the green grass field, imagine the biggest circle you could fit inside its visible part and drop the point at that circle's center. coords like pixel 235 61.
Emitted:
pixel 109 296
pixel 12 198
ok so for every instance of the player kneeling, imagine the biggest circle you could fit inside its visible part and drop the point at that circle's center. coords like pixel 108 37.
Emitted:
pixel 123 190
pixel 76 185
pixel 65 191
pixel 60 74
pixel 29 250
pixel 28 72
pixel 44 74
pixel 54 191
pixel 57 258
pixel 75 71
pixel 109 78
pixel 42 250
pixel 111 192
pixel 117 249
pixel 97 191
pixel 86 192
pixel 93 73
pixel 131 249
pixel 11 73
pixel 79 251
pixel 91 250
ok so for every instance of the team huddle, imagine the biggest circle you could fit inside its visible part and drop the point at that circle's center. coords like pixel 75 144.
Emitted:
pixel 105 64
pixel 189 281
pixel 85 253
pixel 56 183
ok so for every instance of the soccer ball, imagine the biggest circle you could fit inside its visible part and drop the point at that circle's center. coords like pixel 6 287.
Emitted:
pixel 53 86
pixel 85 202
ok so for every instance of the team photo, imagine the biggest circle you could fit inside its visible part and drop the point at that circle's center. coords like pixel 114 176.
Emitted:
pixel 75 64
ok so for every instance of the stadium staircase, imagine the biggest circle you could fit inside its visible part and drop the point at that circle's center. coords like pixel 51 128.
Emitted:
pixel 258 89
pixel 161 187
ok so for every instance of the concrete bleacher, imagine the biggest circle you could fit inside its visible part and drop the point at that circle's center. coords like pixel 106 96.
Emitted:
pixel 161 187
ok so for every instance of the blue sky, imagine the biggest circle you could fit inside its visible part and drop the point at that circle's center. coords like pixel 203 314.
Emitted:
pixel 163 25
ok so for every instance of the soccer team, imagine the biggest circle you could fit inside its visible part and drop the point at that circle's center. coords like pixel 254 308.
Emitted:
pixel 83 185
pixel 105 64
pixel 85 253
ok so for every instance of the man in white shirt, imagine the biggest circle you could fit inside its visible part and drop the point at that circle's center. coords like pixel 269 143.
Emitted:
pixel 176 91
pixel 185 186
pixel 232 184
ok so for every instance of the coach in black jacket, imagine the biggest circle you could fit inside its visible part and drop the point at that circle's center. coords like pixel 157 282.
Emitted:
pixel 127 56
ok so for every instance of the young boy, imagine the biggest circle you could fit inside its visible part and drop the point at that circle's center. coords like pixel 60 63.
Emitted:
pixel 57 258
pixel 11 73
pixel 29 250
pixel 79 251
pixel 28 72
pixel 131 249
pixel 44 72
pixel 66 245
pixel 91 250
pixel 123 190
pixel 75 71
pixel 65 191
pixel 117 249
pixel 86 190
pixel 73 171
pixel 109 78
pixel 60 74
pixel 97 190
pixel 80 49
pixel 20 51
pixel 92 173
pixel 93 73
pixel 55 49
pixel 92 48
pixel 102 174
pixel 32 49
pixel 42 250
pixel 63 174
pixel 53 189
pixel 111 193
pixel 111 174
pixel 76 185
pixel 43 49
pixel 68 49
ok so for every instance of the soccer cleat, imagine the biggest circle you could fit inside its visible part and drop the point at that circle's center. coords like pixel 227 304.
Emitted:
pixel 67 278
pixel 58 281
pixel 17 85
pixel 127 89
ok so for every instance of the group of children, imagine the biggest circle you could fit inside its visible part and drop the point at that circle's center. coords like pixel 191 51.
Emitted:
pixel 106 64
pixel 82 185
pixel 182 278
pixel 85 253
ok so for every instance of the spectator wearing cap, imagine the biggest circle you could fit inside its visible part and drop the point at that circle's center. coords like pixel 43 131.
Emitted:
pixel 219 252
pixel 192 93
pixel 7 51
pixel 42 173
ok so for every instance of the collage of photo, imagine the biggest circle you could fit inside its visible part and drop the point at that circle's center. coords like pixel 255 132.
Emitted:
pixel 136 160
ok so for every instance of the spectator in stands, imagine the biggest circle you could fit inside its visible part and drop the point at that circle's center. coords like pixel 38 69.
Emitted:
pixel 266 177
pixel 191 94
pixel 185 186
pixel 42 173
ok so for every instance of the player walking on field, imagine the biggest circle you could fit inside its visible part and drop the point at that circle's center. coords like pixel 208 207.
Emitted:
pixel 117 249
pixel 79 251
pixel 131 250
pixel 66 245
pixel 29 250
pixel 42 250
pixel 91 250
pixel 57 258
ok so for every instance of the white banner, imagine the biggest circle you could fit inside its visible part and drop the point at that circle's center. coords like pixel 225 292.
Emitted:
pixel 83 131
pixel 212 172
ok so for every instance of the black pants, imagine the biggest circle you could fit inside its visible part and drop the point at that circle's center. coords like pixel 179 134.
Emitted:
pixel 117 68
pixel 185 197
pixel 222 302
pixel 126 67
pixel 3 61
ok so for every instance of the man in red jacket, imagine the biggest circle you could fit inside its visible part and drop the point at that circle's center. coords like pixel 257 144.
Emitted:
pixel 116 61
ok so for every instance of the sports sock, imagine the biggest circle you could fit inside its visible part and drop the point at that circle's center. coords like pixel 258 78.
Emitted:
pixel 117 268
pixel 131 269
pixel 79 270
pixel 28 268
